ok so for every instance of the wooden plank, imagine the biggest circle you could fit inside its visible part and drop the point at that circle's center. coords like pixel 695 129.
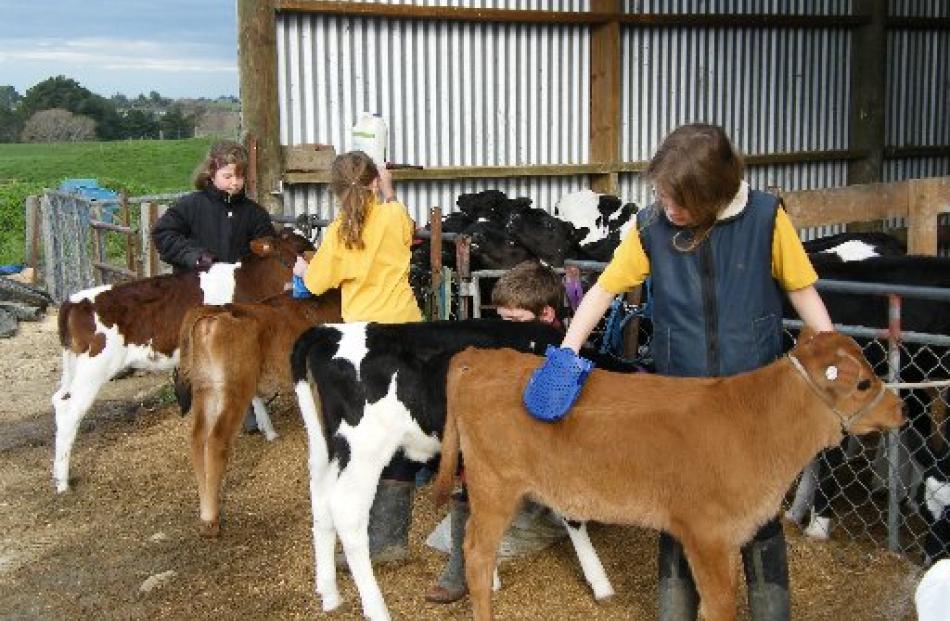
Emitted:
pixel 868 81
pixel 918 23
pixel 604 94
pixel 744 20
pixel 592 17
pixel 856 203
pixel 937 150
pixel 458 14
pixel 928 198
pixel 34 227
pixel 257 59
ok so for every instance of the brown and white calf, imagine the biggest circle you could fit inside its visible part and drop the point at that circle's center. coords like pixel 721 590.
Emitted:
pixel 706 460
pixel 231 356
pixel 106 329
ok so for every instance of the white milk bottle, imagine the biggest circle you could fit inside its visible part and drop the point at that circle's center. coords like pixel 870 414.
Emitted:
pixel 370 136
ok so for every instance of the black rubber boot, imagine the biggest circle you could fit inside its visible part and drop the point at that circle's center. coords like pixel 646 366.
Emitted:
pixel 676 591
pixel 250 421
pixel 389 519
pixel 766 574
pixel 451 586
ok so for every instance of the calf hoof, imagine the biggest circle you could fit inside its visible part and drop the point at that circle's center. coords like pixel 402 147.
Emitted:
pixel 210 530
pixel 603 596
pixel 446 595
pixel 819 528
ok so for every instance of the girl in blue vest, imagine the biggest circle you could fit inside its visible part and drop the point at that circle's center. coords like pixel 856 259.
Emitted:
pixel 720 256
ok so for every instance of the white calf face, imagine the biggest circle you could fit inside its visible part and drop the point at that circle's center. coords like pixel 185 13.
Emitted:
pixel 217 284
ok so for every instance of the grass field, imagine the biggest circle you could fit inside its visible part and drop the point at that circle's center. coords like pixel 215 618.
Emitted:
pixel 139 167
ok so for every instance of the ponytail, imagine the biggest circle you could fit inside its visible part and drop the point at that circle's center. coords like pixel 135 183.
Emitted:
pixel 350 177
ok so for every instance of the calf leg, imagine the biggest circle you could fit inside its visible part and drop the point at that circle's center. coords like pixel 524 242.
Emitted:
pixel 590 563
pixel 263 419
pixel 222 430
pixel 714 565
pixel 70 404
pixel 491 513
pixel 350 504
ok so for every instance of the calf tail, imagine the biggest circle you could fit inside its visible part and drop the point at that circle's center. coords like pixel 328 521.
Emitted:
pixel 187 353
pixel 448 463
pixel 62 322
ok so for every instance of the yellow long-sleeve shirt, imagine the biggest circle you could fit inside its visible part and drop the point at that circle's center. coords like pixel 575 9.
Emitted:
pixel 374 280
pixel 630 265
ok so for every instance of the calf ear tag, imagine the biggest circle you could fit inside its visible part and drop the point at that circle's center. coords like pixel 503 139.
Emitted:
pixel 831 373
pixel 556 384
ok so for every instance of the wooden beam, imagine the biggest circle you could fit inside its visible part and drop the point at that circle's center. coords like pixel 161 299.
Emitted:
pixel 937 150
pixel 565 170
pixel 743 20
pixel 605 84
pixel 856 203
pixel 592 17
pixel 928 198
pixel 456 14
pixel 257 59
pixel 918 23
pixel 868 80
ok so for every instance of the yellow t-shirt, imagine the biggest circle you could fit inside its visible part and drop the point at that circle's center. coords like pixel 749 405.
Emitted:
pixel 630 266
pixel 374 280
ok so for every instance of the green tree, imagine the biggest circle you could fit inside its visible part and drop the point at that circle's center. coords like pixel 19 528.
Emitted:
pixel 175 124
pixel 10 125
pixel 66 93
pixel 9 97
pixel 140 124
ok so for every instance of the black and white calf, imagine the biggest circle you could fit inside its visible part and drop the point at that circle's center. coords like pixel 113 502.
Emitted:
pixel 368 390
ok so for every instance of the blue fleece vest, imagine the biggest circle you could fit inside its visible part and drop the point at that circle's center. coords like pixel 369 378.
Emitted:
pixel 716 309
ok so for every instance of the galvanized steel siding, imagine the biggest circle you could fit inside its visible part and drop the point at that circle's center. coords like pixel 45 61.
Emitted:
pixel 453 94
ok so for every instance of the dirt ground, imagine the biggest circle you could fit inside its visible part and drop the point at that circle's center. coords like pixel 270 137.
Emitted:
pixel 124 544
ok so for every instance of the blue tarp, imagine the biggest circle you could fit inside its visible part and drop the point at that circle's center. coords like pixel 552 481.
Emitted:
pixel 89 189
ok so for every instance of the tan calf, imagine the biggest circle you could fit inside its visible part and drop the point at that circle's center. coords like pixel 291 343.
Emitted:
pixel 229 354
pixel 706 460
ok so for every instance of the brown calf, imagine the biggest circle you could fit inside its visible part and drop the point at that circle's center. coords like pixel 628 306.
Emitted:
pixel 230 355
pixel 706 460
pixel 106 329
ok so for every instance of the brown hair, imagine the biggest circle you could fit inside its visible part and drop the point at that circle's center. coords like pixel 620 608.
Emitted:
pixel 350 176
pixel 699 169
pixel 529 285
pixel 222 153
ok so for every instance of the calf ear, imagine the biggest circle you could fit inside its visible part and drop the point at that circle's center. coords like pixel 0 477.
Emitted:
pixel 262 246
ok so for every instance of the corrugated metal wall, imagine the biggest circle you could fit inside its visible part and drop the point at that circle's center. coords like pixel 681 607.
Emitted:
pixel 453 94
pixel 461 94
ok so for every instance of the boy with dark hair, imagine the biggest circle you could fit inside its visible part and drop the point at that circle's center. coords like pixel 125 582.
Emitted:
pixel 530 291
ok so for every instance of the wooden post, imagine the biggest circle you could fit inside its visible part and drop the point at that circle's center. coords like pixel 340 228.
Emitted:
pixel 257 60
pixel 34 226
pixel 435 261
pixel 868 79
pixel 605 94
pixel 148 217
pixel 926 200
pixel 463 249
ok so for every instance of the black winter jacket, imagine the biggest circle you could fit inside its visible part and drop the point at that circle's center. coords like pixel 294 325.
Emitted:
pixel 209 221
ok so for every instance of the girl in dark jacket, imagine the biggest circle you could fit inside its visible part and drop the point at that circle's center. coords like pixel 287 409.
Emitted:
pixel 216 223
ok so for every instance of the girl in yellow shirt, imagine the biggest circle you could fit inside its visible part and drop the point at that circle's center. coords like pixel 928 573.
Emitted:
pixel 365 250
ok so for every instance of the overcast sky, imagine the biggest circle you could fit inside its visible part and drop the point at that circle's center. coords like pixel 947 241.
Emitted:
pixel 180 48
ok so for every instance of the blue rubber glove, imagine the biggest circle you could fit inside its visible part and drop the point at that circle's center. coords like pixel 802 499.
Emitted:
pixel 556 384
pixel 300 290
